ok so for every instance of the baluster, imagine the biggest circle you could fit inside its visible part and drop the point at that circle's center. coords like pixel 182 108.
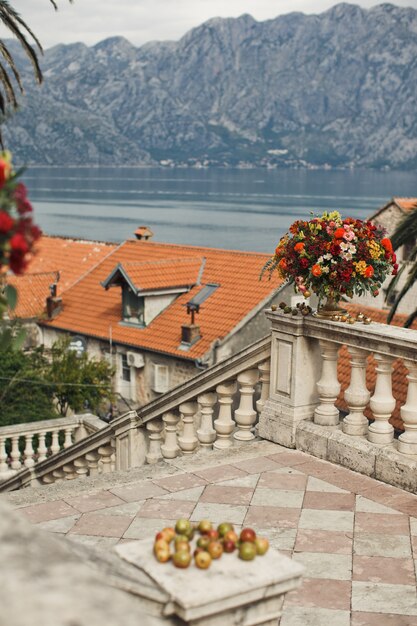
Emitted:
pixel 58 475
pixel 55 447
pixel 170 448
pixel 382 402
pixel 42 449
pixel 206 433
pixel 4 468
pixel 92 459
pixel 265 378
pixel 154 428
pixel 29 452
pixel 48 479
pixel 81 467
pixel 407 441
pixel 328 387
pixel 245 415
pixel 69 471
pixel 188 441
pixel 105 453
pixel 224 424
pixel 68 437
pixel 356 395
pixel 15 454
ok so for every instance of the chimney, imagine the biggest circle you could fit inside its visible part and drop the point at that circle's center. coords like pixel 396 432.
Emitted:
pixel 143 233
pixel 190 333
pixel 53 306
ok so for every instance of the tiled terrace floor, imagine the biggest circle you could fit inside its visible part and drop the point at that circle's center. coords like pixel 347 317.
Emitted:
pixel 356 537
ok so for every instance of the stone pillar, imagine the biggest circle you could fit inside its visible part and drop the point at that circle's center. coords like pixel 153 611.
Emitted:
pixel 224 424
pixel 68 437
pixel 170 448
pixel 154 428
pixel 295 363
pixel 106 453
pixel 245 415
pixel 407 441
pixel 15 454
pixel 58 475
pixel 4 468
pixel 382 403
pixel 92 459
pixel 265 379
pixel 42 449
pixel 188 441
pixel 206 433
pixel 69 471
pixel 55 447
pixel 328 387
pixel 357 395
pixel 29 452
pixel 81 467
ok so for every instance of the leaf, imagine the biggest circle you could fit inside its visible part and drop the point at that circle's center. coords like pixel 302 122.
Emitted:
pixel 11 296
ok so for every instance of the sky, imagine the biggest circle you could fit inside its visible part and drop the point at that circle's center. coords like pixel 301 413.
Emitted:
pixel 141 21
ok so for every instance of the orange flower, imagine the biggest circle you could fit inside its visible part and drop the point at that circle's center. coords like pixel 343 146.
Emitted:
pixel 386 243
pixel 283 265
pixel 299 246
pixel 316 270
pixel 339 233
pixel 369 271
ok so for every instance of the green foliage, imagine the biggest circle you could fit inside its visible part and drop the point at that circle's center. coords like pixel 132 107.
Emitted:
pixel 78 381
pixel 21 400
pixel 405 233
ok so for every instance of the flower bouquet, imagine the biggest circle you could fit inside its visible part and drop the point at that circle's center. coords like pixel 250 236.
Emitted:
pixel 333 257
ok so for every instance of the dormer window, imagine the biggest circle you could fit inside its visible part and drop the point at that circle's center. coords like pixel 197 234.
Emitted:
pixel 133 307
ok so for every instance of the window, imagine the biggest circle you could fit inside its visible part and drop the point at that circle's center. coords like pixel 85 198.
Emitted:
pixel 125 368
pixel 133 307
pixel 160 378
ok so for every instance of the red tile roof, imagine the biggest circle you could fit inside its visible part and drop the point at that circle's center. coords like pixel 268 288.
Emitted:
pixel 404 204
pixel 32 291
pixel 89 309
pixel 161 274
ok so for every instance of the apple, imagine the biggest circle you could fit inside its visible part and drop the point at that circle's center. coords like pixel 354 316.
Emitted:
pixel 181 546
pixel 197 550
pixel 229 546
pixel 231 535
pixel 212 534
pixel 203 542
pixel 204 526
pixel 262 545
pixel 247 534
pixel 162 555
pixel 181 559
pixel 161 544
pixel 183 526
pixel 169 532
pixel 202 560
pixel 215 549
pixel 179 538
pixel 224 528
pixel 247 551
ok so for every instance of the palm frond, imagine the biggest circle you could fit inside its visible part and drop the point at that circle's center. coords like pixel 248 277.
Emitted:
pixel 410 319
pixel 411 278
pixel 406 230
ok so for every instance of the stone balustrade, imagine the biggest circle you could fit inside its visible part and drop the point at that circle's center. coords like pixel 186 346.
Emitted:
pixel 304 387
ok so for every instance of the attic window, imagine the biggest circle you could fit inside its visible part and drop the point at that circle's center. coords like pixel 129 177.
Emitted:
pixel 203 294
pixel 133 307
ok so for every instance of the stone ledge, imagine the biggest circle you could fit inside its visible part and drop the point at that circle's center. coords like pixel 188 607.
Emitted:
pixel 384 463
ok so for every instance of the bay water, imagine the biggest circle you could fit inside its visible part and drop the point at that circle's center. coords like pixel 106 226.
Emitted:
pixel 221 208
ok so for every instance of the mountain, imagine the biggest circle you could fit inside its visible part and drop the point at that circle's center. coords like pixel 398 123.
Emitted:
pixel 335 89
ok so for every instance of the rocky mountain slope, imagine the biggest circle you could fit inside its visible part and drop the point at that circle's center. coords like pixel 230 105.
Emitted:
pixel 339 89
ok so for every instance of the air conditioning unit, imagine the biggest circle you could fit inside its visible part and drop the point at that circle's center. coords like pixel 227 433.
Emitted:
pixel 134 359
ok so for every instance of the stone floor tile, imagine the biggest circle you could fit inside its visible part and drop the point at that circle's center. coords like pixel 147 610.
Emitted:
pixel 227 495
pixel 136 492
pixel 378 569
pixel 325 594
pixel 218 474
pixel 217 513
pixel 300 616
pixel 372 544
pixel 180 481
pixel 379 598
pixel 272 517
pixel 265 496
pixel 414 545
pixel 191 495
pixel 257 465
pixel 381 523
pixel 47 511
pixel 279 480
pixel 250 480
pixel 290 458
pixel 127 508
pixel 364 505
pixel 413 526
pixel 325 565
pixel 143 527
pixel 382 619
pixel 166 509
pixel 279 538
pixel 94 501
pixel 123 540
pixel 335 541
pixel 101 525
pixel 90 540
pixel 326 520
pixel 329 501
pixel 316 484
pixel 61 525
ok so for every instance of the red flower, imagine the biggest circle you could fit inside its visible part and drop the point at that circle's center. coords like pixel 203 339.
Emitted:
pixel 339 233
pixel 369 271
pixel 316 270
pixel 19 244
pixel 304 263
pixel 4 172
pixel 334 250
pixel 386 243
pixel 6 222
pixel 299 246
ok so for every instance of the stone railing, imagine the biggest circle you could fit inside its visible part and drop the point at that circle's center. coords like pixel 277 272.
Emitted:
pixel 25 445
pixel 305 354
pixel 212 410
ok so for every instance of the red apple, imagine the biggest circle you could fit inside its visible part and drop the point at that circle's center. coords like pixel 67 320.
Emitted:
pixel 231 535
pixel 212 534
pixel 215 549
pixel 229 546
pixel 161 544
pixel 247 534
